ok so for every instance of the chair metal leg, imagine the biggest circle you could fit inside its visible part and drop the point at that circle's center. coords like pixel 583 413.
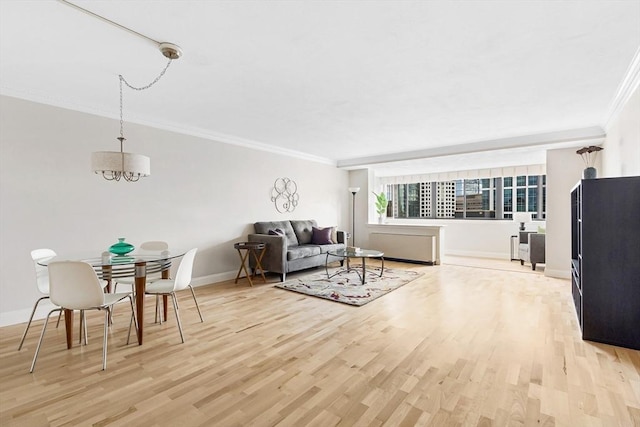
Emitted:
pixel 24 335
pixel 158 310
pixel 197 306
pixel 83 328
pixel 44 328
pixel 175 307
pixel 129 332
pixel 107 316
pixel 86 335
pixel 133 319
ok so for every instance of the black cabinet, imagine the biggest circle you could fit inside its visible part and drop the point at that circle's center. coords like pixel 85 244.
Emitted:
pixel 605 259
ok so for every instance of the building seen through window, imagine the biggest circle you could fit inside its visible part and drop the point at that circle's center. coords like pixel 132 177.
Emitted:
pixel 486 198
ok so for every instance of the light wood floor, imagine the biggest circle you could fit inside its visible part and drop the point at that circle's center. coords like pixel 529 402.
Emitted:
pixel 462 345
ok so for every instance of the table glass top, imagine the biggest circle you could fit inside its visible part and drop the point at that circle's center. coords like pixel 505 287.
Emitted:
pixel 102 258
pixel 362 253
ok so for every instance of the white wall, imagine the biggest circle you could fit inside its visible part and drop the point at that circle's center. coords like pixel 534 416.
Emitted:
pixel 481 238
pixel 621 154
pixel 564 170
pixel 475 238
pixel 200 193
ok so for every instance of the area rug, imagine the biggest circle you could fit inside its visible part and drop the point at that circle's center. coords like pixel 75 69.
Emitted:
pixel 347 287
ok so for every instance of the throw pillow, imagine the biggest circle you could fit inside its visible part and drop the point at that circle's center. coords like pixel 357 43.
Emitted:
pixel 277 232
pixel 321 236
pixel 334 234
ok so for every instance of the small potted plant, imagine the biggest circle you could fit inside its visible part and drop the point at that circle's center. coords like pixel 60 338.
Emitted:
pixel 589 155
pixel 381 205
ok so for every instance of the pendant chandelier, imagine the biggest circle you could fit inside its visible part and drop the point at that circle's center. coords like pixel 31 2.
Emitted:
pixel 117 165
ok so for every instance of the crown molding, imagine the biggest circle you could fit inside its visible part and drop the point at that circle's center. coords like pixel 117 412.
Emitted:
pixel 234 140
pixel 626 88
pixel 592 135
pixel 171 127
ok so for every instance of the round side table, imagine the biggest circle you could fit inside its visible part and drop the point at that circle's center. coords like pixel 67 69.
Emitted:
pixel 245 250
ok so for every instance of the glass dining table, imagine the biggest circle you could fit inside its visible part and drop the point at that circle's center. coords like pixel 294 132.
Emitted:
pixel 137 264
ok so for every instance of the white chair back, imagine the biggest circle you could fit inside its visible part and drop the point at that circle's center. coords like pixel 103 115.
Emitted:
pixel 157 245
pixel 42 274
pixel 74 285
pixel 185 269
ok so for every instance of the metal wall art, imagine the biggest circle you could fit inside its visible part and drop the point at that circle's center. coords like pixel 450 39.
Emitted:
pixel 284 195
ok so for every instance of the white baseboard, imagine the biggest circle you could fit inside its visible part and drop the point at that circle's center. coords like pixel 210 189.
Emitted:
pixel 213 278
pixel 22 316
pixel 474 254
pixel 559 274
pixel 45 306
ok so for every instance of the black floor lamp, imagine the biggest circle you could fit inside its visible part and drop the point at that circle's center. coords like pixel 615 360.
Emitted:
pixel 353 191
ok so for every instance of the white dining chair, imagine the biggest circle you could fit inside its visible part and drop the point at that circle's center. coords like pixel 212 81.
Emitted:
pixel 156 245
pixel 74 285
pixel 169 287
pixel 42 283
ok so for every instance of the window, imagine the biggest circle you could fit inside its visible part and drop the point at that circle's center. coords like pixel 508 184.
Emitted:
pixel 413 200
pixel 486 198
pixel 407 197
pixel 521 202
pixel 532 199
pixel 401 206
pixel 508 202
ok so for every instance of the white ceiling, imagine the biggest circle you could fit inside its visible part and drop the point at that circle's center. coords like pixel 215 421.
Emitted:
pixel 347 82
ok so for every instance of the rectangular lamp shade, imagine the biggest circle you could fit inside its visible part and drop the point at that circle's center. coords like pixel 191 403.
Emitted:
pixel 522 217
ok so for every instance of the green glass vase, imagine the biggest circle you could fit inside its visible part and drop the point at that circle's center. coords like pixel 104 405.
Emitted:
pixel 121 248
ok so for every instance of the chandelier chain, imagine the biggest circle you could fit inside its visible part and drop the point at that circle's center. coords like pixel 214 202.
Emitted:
pixel 123 80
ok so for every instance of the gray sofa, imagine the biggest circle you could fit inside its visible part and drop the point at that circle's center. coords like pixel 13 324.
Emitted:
pixel 294 251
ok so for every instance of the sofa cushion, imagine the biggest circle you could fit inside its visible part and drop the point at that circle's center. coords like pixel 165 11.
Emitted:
pixel 321 236
pixel 302 251
pixel 303 230
pixel 264 227
pixel 334 247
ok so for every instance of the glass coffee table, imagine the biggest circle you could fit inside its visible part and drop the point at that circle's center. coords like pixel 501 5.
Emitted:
pixel 346 255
